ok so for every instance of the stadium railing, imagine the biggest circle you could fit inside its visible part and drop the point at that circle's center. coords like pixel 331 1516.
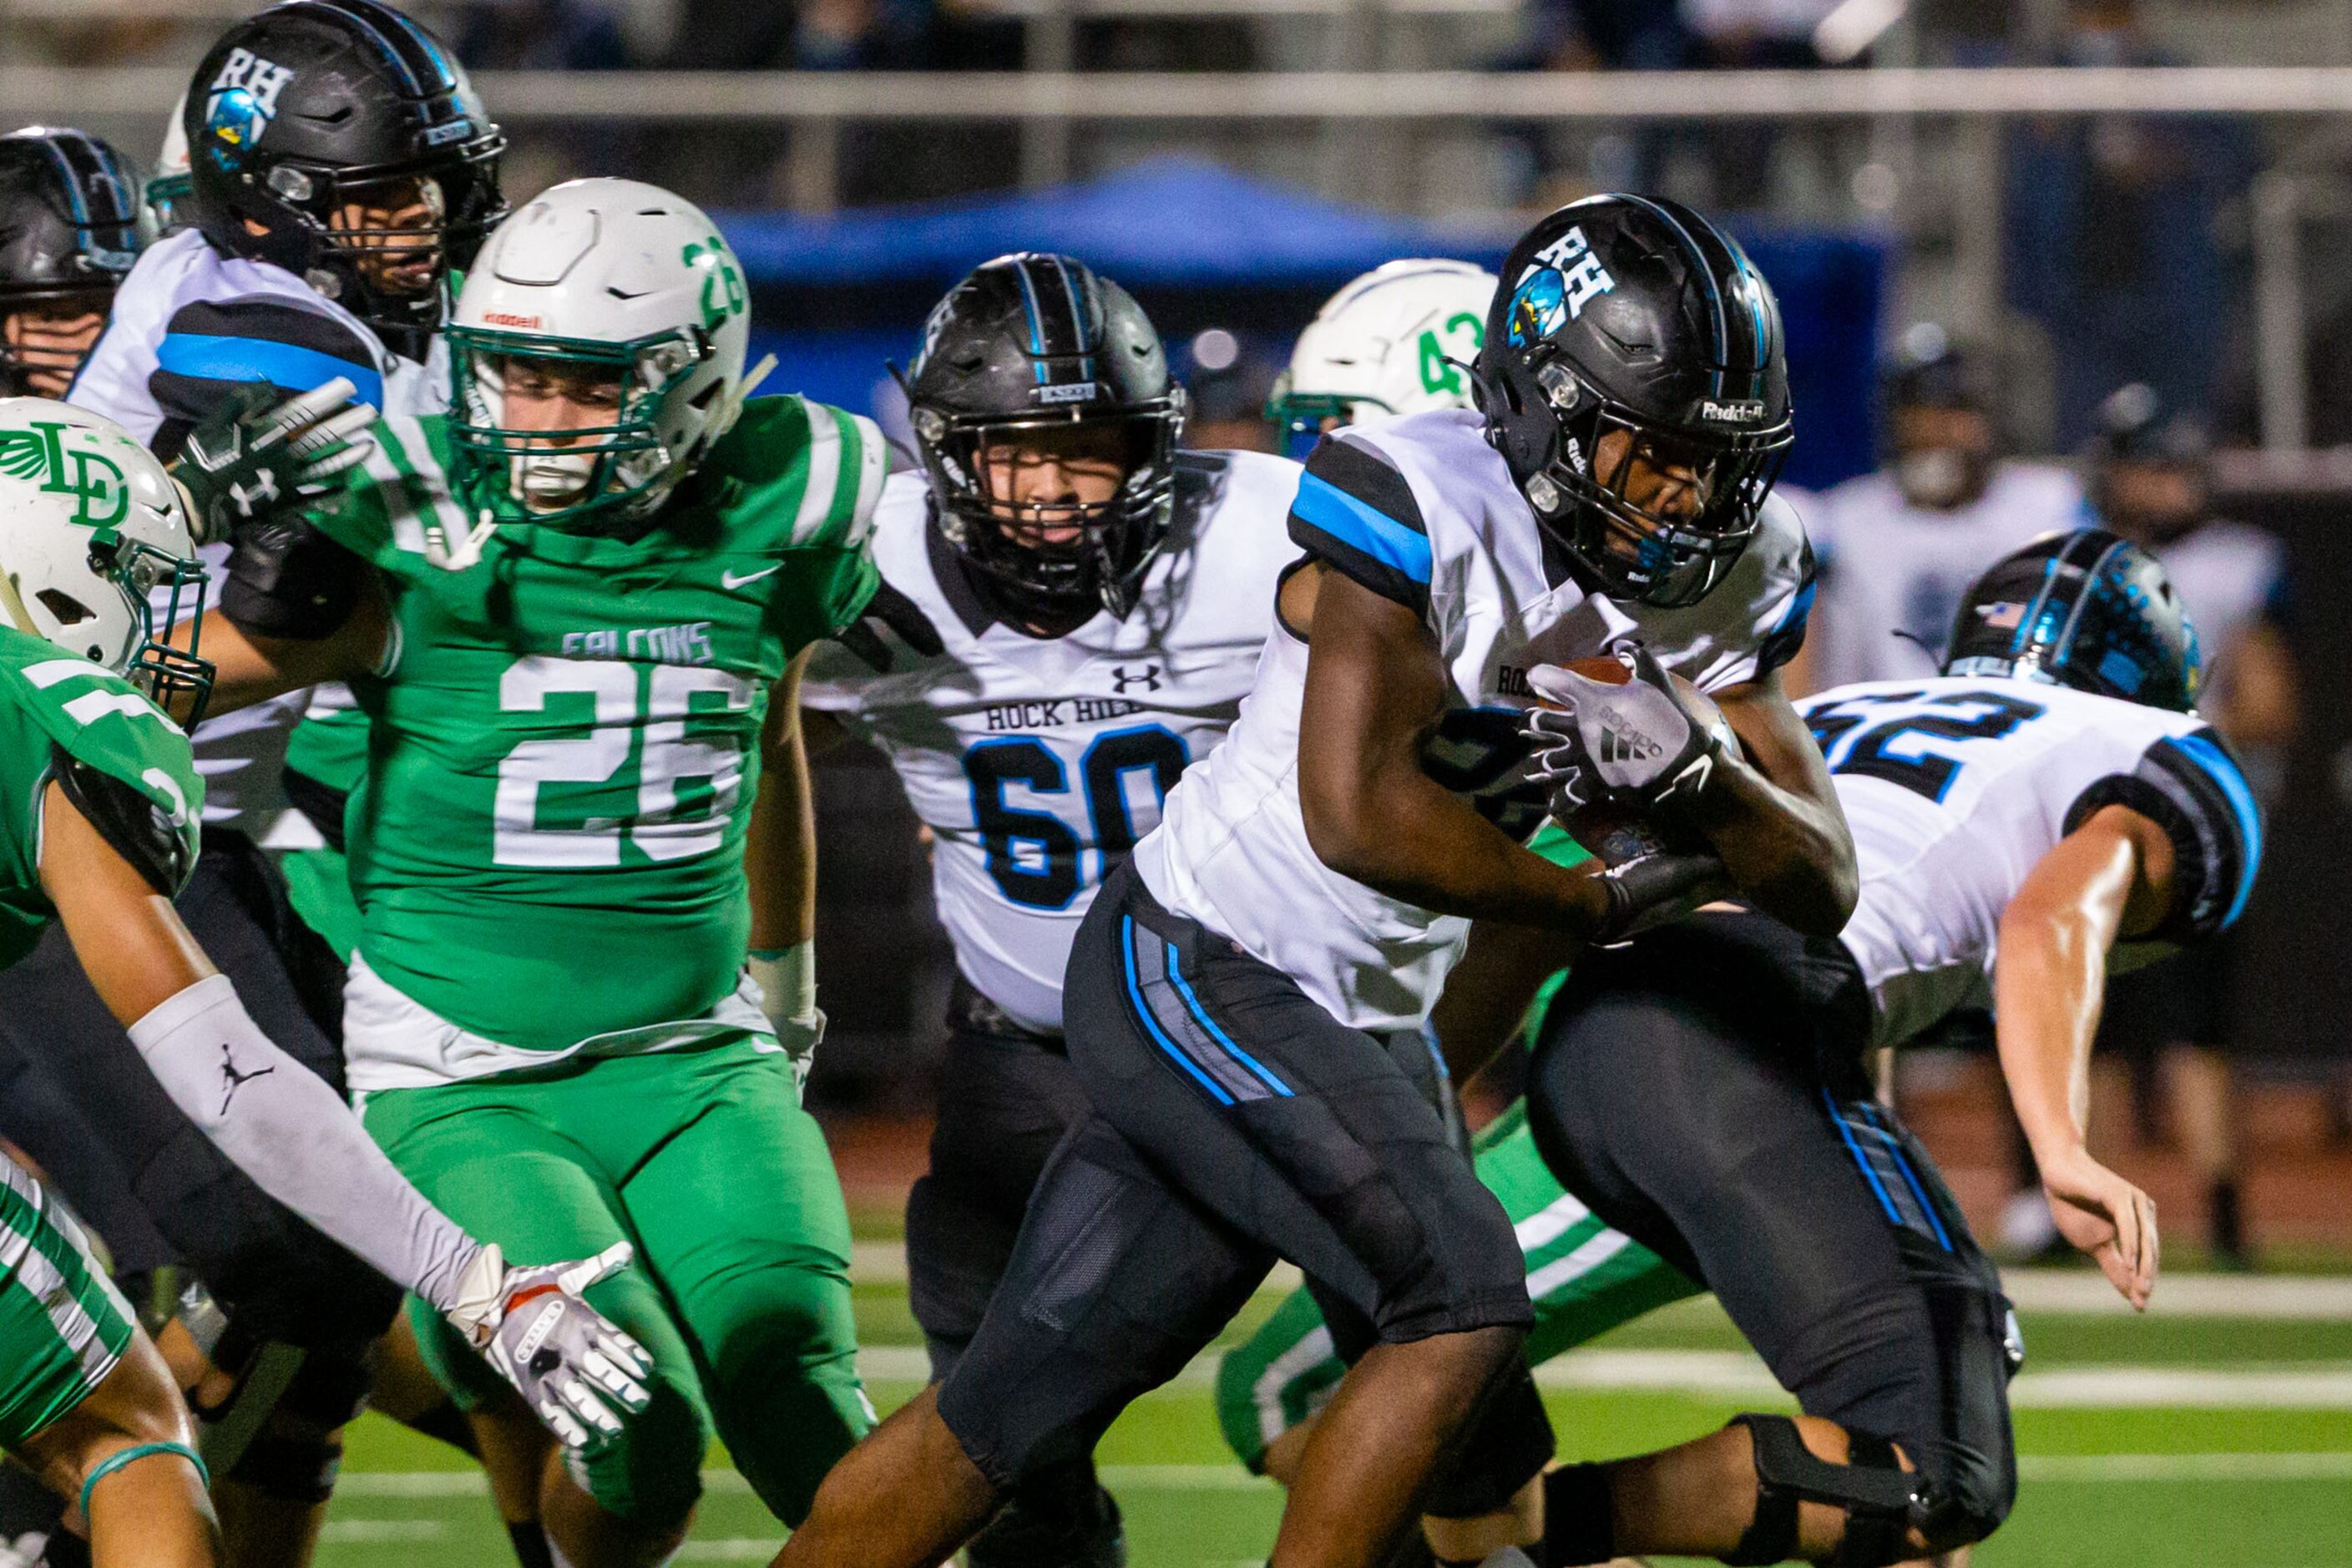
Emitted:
pixel 1975 103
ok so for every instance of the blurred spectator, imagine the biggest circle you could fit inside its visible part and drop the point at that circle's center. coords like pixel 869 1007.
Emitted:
pixel 2173 1019
pixel 2112 235
pixel 1229 383
pixel 542 35
pixel 1896 548
pixel 1757 35
pixel 1602 35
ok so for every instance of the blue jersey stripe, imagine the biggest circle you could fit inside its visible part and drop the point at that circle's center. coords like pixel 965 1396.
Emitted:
pixel 202 358
pixel 1354 523
pixel 1845 1133
pixel 2224 773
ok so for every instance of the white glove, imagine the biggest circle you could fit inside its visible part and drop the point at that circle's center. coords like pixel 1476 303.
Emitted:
pixel 1634 743
pixel 571 1364
pixel 787 980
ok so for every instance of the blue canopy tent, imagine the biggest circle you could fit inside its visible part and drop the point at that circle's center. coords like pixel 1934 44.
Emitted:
pixel 1190 236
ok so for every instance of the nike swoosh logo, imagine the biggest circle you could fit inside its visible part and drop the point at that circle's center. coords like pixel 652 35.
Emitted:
pixel 731 582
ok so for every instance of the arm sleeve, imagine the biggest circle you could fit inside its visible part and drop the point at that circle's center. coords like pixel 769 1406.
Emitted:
pixel 1356 512
pixel 299 1141
pixel 2190 786
pixel 212 348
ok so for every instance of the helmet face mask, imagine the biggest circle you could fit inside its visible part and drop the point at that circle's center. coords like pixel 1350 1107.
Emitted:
pixel 1634 327
pixel 1047 545
pixel 2085 609
pixel 1048 425
pixel 96 556
pixel 608 456
pixel 1302 418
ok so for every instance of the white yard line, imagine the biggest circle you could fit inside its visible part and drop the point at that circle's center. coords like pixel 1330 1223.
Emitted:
pixel 2310 1297
pixel 2064 1468
pixel 1738 1375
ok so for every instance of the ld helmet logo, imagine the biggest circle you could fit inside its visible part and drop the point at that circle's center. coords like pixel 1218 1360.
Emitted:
pixel 101 495
pixel 244 99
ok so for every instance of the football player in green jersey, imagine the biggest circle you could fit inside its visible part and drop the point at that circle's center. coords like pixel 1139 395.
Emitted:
pixel 100 806
pixel 572 1012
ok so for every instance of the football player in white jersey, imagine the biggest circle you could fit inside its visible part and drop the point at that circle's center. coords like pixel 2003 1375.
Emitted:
pixel 1897 547
pixel 1235 994
pixel 2048 807
pixel 2014 820
pixel 1399 339
pixel 1036 725
pixel 342 166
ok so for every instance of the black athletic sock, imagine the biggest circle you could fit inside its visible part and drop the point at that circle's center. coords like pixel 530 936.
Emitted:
pixel 529 1544
pixel 1579 1519
pixel 2221 1207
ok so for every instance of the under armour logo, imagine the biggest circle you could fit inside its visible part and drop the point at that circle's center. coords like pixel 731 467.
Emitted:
pixel 1620 742
pixel 264 488
pixel 231 1079
pixel 1148 679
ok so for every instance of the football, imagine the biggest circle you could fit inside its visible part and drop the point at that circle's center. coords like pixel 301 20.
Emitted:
pixel 1618 835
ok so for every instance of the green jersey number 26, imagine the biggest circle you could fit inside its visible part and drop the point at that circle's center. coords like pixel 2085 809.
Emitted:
pixel 643 726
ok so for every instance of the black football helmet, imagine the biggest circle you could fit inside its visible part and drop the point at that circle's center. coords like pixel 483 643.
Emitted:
pixel 1930 371
pixel 2137 435
pixel 71 224
pixel 315 104
pixel 1621 314
pixel 1034 342
pixel 2085 609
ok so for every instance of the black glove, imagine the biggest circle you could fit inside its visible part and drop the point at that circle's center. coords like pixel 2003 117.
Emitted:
pixel 1636 744
pixel 263 451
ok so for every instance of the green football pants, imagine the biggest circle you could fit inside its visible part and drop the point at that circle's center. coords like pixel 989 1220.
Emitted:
pixel 739 1290
pixel 63 1325
pixel 1583 1277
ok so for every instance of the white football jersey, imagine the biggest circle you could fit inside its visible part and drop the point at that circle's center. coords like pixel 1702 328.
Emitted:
pixel 1955 788
pixel 189 325
pixel 1887 566
pixel 1037 763
pixel 1421 509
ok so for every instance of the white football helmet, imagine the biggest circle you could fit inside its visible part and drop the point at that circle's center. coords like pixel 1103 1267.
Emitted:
pixel 1395 341
pixel 167 192
pixel 603 279
pixel 96 554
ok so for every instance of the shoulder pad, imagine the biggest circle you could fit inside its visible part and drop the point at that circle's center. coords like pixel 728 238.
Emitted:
pixel 1358 511
pixel 1782 642
pixel 2189 786
pixel 135 826
pixel 238 340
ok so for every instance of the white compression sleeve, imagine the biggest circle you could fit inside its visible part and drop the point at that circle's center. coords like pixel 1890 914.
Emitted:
pixel 291 1132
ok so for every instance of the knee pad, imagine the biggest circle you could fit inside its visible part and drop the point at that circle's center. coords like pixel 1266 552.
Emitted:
pixel 1883 1501
pixel 277 1429
pixel 1507 1447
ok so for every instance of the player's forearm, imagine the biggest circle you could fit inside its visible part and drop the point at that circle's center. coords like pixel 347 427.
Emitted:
pixel 249 667
pixel 780 838
pixel 1789 854
pixel 2048 982
pixel 1405 836
pixel 285 1127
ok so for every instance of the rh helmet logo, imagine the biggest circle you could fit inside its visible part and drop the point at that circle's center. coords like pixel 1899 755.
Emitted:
pixel 244 100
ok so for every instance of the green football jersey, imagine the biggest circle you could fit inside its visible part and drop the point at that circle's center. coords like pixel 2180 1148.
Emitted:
pixel 548 844
pixel 49 700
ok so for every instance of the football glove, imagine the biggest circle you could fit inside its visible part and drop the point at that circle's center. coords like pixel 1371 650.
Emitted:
pixel 1635 745
pixel 571 1363
pixel 263 451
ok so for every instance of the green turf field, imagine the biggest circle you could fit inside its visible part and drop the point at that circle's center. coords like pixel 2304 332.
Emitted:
pixel 2254 1469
